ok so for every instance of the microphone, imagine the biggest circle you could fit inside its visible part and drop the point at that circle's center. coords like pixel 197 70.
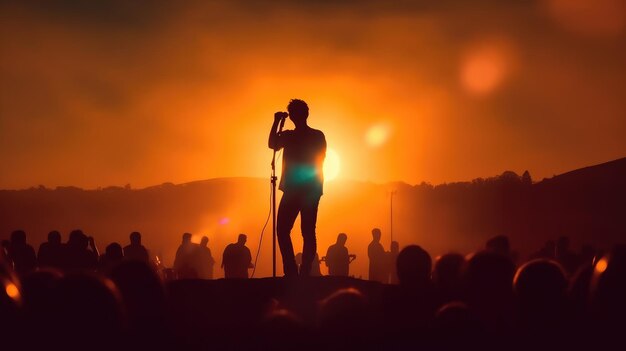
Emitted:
pixel 283 118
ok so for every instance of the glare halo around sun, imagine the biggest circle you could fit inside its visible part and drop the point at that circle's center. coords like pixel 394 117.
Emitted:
pixel 332 165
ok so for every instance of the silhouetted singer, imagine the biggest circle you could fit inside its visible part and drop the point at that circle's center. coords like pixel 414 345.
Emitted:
pixel 301 182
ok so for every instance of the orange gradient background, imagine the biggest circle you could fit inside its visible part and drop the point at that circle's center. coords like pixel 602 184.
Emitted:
pixel 115 93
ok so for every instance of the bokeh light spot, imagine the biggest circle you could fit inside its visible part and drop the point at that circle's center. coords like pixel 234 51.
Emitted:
pixel 224 220
pixel 484 69
pixel 377 134
pixel 12 291
pixel 601 265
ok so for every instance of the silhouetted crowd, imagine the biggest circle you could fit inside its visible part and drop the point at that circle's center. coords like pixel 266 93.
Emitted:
pixel 69 296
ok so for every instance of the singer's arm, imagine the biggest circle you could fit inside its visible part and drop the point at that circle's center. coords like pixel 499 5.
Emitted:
pixel 272 141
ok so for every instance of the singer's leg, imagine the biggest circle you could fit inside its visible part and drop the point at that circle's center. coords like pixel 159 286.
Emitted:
pixel 308 220
pixel 287 213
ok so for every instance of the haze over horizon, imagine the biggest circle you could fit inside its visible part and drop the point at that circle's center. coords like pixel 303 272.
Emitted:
pixel 341 180
pixel 102 93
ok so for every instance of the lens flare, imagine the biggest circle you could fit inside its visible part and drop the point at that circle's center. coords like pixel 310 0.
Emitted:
pixel 332 165
pixel 12 291
pixel 484 69
pixel 377 134
pixel 602 265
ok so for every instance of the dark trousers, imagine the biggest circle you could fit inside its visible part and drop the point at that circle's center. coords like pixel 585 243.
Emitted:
pixel 291 204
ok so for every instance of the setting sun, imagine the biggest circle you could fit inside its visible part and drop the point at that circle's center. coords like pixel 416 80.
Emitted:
pixel 332 165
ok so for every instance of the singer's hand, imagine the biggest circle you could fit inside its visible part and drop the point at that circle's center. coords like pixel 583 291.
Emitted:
pixel 280 115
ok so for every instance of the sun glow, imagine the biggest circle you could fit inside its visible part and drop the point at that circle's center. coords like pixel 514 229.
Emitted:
pixel 332 165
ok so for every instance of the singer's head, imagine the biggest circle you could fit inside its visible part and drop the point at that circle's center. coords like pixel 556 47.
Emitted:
pixel 298 111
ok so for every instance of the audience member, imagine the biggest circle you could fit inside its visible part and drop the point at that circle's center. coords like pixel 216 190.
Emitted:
pixel 80 253
pixel 135 250
pixel 112 256
pixel 447 277
pixel 488 282
pixel 337 257
pixel 542 317
pixel 184 265
pixel 51 252
pixel 90 314
pixel 204 260
pixel 344 321
pixel 237 259
pixel 20 254
pixel 481 303
pixel 376 254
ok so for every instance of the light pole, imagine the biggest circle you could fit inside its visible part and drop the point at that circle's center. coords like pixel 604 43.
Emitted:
pixel 391 214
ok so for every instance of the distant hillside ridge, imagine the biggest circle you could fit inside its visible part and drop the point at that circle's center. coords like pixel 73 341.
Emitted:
pixel 587 204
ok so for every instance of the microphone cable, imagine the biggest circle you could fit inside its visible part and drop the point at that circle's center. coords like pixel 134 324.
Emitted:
pixel 258 250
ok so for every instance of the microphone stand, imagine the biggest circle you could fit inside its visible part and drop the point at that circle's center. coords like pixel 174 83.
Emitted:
pixel 273 181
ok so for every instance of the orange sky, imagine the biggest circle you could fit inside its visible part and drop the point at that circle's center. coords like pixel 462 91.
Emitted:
pixel 114 92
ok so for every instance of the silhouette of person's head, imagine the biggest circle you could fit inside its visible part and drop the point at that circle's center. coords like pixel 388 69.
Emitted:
pixel 135 238
pixel 78 239
pixel 204 242
pixel 540 285
pixel 395 247
pixel 38 292
pixel 376 234
pixel 298 111
pixel 114 251
pixel 241 240
pixel 448 269
pixel 37 285
pixel 456 327
pixel 186 238
pixel 344 317
pixel 90 308
pixel 413 265
pixel 282 329
pixel 54 237
pixel 18 238
pixel 488 286
pixel 143 293
pixel 487 269
pixel 341 239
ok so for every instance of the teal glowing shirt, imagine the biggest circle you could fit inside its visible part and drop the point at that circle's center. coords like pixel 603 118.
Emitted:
pixel 303 160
